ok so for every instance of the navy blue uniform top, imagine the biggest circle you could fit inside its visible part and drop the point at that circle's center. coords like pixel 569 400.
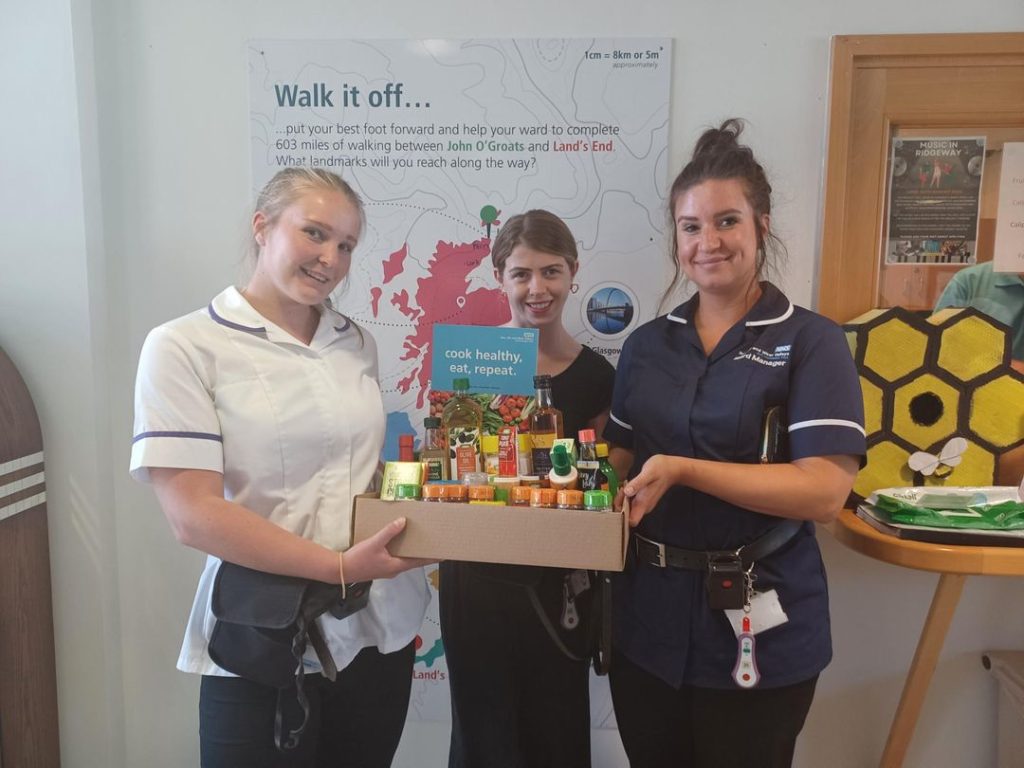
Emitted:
pixel 671 398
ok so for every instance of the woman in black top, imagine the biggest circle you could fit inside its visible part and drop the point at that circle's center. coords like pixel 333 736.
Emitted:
pixel 518 699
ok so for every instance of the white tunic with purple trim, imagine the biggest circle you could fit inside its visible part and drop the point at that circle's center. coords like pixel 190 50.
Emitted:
pixel 296 432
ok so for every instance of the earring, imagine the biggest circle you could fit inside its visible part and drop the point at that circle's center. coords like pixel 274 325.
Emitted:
pixel 574 288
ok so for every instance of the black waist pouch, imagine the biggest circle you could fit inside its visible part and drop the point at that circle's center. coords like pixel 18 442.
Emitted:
pixel 264 622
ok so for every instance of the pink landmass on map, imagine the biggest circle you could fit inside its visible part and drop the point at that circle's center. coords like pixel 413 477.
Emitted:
pixel 375 294
pixel 438 299
pixel 401 300
pixel 395 263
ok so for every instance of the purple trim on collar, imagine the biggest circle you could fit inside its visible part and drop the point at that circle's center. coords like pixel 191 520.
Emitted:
pixel 195 435
pixel 227 323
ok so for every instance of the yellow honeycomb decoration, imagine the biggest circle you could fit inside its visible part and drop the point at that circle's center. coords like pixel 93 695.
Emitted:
pixel 997 414
pixel 927 380
pixel 971 347
pixel 894 348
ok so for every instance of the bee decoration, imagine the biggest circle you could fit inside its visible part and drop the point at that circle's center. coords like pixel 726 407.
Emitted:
pixel 943 464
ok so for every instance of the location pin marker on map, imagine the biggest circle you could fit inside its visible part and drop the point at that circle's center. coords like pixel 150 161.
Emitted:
pixel 461 301
pixel 488 216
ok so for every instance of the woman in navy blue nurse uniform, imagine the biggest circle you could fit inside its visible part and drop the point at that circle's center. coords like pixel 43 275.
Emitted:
pixel 691 392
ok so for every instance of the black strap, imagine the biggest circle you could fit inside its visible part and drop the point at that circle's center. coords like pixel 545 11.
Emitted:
pixel 546 623
pixel 603 604
pixel 330 671
pixel 601 609
pixel 298 650
pixel 316 639
pixel 662 555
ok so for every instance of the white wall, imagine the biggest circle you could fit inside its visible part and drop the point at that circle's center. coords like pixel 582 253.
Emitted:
pixel 53 326
pixel 124 154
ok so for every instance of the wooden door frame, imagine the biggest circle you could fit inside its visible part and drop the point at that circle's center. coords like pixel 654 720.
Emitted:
pixel 848 282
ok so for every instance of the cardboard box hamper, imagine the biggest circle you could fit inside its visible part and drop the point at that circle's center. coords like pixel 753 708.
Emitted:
pixel 491 534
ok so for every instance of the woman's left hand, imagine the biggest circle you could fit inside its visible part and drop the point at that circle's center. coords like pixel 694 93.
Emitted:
pixel 643 492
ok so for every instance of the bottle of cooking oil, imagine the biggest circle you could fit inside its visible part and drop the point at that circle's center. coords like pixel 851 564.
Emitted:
pixel 545 426
pixel 462 421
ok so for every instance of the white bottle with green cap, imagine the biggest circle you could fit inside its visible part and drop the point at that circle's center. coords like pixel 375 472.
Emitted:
pixel 563 475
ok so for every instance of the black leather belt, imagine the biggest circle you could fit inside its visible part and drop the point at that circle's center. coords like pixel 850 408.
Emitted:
pixel 664 555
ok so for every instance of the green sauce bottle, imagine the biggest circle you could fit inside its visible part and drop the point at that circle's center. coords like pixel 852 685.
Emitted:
pixel 610 481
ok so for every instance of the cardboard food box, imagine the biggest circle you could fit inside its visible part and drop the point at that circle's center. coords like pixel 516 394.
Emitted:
pixel 560 538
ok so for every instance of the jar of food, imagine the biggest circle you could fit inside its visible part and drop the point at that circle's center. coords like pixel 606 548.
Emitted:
pixel 407 492
pixel 597 501
pixel 569 499
pixel 543 497
pixel 456 493
pixel 519 496
pixel 434 492
pixel 503 487
pixel 480 492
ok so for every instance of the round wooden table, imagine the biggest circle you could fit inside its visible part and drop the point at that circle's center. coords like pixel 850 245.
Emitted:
pixel 954 563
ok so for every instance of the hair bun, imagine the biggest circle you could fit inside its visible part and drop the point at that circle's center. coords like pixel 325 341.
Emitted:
pixel 715 141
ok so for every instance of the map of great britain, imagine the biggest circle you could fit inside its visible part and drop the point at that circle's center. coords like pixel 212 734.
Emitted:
pixel 441 297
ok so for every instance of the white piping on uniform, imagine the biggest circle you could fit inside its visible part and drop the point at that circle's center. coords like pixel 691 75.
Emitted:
pixel 771 321
pixel 827 423
pixel 620 422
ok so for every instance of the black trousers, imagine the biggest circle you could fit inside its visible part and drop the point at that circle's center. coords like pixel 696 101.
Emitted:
pixel 517 701
pixel 354 722
pixel 662 727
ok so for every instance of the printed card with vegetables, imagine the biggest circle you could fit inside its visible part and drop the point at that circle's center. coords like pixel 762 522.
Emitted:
pixel 500 364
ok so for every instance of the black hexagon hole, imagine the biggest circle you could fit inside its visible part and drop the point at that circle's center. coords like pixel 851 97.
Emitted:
pixel 926 409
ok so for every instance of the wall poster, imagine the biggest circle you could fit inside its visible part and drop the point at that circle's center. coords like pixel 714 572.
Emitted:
pixel 444 140
pixel 934 198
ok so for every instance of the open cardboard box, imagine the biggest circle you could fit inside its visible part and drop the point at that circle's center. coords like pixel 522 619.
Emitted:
pixel 560 538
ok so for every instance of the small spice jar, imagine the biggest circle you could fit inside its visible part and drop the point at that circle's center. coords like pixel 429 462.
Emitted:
pixel 597 501
pixel 530 481
pixel 407 492
pixel 456 494
pixel 543 497
pixel 480 492
pixel 519 496
pixel 503 487
pixel 569 499
pixel 434 492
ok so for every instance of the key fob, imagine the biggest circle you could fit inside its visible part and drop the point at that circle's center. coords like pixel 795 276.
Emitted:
pixel 725 584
